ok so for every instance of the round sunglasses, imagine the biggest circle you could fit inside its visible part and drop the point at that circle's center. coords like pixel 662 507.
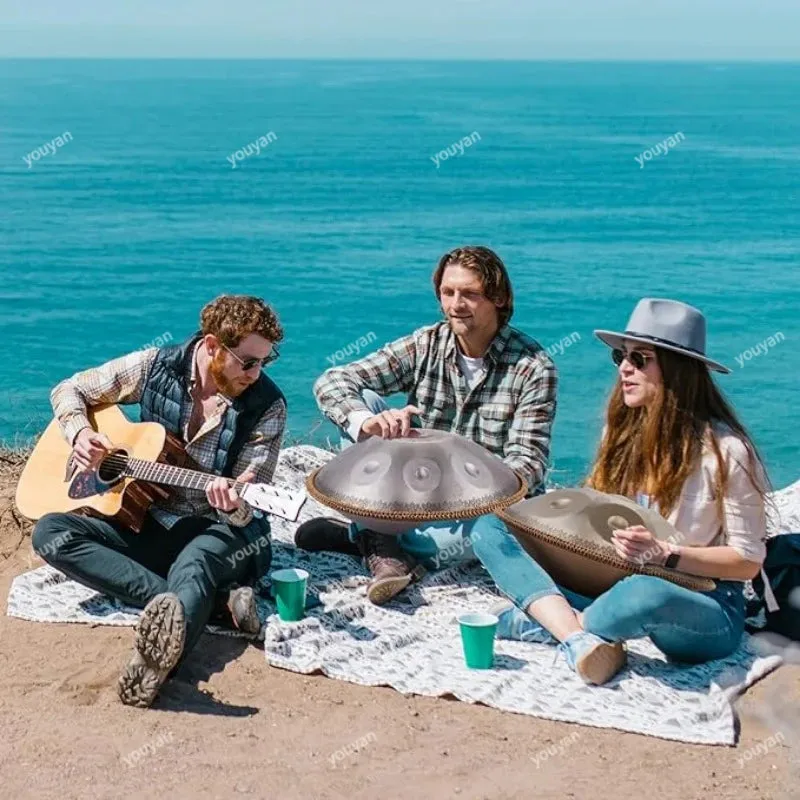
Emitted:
pixel 248 363
pixel 635 357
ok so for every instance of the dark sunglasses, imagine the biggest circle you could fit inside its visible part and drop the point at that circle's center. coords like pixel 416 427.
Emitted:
pixel 635 358
pixel 248 363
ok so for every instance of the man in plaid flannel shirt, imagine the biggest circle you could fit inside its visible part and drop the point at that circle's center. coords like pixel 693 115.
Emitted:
pixel 471 374
pixel 195 546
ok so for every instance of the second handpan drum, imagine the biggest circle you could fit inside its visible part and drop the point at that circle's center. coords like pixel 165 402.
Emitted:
pixel 390 485
pixel 568 532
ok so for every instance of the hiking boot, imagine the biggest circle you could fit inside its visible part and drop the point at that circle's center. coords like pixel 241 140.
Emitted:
pixel 594 659
pixel 160 636
pixel 392 569
pixel 326 533
pixel 242 608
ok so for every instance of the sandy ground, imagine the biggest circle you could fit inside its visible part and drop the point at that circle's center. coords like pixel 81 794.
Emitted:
pixel 231 726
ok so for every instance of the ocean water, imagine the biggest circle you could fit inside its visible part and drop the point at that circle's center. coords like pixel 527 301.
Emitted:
pixel 124 232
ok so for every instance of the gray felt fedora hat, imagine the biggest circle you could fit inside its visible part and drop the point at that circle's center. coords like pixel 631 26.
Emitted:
pixel 669 324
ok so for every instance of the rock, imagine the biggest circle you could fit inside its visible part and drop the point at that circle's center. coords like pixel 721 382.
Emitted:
pixel 787 502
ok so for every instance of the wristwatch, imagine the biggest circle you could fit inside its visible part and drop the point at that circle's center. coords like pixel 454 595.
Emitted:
pixel 671 562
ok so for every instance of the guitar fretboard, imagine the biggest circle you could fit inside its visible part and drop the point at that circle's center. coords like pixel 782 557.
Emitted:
pixel 155 472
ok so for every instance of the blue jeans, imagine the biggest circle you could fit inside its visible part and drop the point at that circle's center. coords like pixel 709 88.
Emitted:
pixel 685 625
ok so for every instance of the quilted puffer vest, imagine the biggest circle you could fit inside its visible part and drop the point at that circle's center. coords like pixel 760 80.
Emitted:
pixel 162 402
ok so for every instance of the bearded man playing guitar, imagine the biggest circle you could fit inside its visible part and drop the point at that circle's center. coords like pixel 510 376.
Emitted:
pixel 194 544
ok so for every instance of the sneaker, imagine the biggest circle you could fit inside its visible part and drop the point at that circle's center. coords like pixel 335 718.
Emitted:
pixel 594 659
pixel 326 533
pixel 160 636
pixel 243 611
pixel 512 623
pixel 391 569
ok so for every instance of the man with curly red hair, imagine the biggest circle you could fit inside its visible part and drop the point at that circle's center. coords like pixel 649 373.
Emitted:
pixel 198 550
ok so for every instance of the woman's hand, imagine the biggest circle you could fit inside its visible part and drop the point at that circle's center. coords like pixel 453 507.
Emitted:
pixel 637 544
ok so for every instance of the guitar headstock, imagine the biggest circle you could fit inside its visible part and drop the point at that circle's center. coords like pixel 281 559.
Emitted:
pixel 273 500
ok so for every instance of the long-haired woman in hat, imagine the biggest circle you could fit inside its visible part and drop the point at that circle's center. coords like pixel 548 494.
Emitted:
pixel 672 442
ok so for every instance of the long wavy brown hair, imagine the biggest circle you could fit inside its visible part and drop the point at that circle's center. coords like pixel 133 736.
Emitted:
pixel 655 448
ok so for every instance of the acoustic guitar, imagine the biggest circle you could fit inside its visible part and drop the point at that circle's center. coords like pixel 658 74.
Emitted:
pixel 146 459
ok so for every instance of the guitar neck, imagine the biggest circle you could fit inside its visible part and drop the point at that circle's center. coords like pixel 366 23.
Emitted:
pixel 168 475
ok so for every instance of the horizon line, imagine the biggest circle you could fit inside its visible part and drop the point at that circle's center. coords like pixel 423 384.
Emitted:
pixel 556 60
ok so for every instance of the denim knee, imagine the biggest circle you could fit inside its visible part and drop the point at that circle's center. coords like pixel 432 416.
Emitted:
pixel 646 600
pixel 49 533
pixel 213 559
pixel 489 532
pixel 639 596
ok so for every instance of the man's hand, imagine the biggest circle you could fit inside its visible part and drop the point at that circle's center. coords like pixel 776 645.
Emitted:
pixel 389 424
pixel 221 494
pixel 90 447
pixel 639 545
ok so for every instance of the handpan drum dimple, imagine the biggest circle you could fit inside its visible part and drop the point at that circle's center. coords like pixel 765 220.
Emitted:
pixel 390 485
pixel 568 532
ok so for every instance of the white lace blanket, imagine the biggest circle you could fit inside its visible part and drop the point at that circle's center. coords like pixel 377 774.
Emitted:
pixel 413 644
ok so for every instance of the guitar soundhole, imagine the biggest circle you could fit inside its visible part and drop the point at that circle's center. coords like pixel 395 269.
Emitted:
pixel 113 466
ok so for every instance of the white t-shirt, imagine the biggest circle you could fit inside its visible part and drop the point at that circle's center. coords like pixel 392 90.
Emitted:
pixel 470 367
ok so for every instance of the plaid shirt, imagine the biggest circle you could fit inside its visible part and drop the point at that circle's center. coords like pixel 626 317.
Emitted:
pixel 509 410
pixel 123 380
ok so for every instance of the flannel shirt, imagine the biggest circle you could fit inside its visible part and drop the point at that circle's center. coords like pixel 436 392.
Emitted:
pixel 122 381
pixel 509 410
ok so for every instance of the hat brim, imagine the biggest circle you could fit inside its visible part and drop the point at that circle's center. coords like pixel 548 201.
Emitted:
pixel 615 339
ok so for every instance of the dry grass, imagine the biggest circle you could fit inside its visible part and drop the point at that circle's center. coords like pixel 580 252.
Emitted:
pixel 13 526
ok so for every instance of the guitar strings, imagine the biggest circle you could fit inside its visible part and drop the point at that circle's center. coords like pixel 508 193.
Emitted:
pixel 121 462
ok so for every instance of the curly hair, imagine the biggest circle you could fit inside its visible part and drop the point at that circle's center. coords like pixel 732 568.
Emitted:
pixel 491 270
pixel 233 317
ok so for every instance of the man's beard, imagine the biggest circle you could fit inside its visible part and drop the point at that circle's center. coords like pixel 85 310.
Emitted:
pixel 225 385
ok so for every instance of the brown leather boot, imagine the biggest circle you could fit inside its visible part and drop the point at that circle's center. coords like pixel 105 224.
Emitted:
pixel 242 608
pixel 392 569
pixel 236 608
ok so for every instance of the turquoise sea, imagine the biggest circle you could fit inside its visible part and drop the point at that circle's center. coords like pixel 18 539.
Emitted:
pixel 118 234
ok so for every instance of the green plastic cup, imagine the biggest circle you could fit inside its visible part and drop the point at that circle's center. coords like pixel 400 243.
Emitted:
pixel 289 591
pixel 477 636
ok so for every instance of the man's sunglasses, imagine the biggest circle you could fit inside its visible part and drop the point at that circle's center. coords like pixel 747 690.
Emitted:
pixel 635 357
pixel 248 363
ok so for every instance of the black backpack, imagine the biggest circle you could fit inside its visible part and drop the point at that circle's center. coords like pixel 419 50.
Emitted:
pixel 782 568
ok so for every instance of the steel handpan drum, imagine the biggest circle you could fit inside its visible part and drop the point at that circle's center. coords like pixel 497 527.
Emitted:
pixel 390 485
pixel 568 532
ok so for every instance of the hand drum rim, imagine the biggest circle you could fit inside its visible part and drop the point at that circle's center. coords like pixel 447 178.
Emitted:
pixel 547 540
pixel 432 476
pixel 461 512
